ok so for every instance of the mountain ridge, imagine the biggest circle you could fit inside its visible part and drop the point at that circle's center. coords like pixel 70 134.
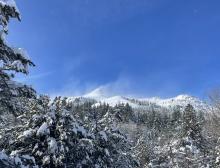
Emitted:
pixel 100 96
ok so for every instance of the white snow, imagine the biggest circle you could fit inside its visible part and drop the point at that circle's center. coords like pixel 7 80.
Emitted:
pixel 14 153
pixel 217 160
pixel 3 156
pixel 107 152
pixel 10 3
pixel 52 145
pixel 17 65
pixel 79 129
pixel 103 135
pixel 82 130
pixel 113 101
pixel 27 133
pixel 43 130
pixel 18 161
pixel 46 159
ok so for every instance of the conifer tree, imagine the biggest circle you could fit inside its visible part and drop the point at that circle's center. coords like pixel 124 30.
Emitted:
pixel 12 60
pixel 191 126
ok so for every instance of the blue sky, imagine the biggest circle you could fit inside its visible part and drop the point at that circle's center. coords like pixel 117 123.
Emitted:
pixel 133 47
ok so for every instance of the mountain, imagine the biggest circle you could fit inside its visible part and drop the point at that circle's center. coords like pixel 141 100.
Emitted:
pixel 99 96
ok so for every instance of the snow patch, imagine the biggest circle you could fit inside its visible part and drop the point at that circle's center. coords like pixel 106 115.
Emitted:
pixel 103 135
pixel 52 145
pixel 43 130
pixel 3 156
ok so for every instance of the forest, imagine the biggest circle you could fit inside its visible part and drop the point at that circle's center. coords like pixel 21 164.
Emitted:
pixel 37 131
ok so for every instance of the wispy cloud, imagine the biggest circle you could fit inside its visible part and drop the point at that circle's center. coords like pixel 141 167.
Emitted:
pixel 123 86
pixel 150 86
pixel 33 77
pixel 73 87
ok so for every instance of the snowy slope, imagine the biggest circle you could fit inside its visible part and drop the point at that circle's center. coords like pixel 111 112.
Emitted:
pixel 181 100
pixel 98 96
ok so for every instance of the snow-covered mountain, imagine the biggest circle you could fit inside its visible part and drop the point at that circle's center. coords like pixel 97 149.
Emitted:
pixel 99 96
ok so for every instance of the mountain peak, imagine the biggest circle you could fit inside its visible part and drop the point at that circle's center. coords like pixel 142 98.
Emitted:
pixel 184 97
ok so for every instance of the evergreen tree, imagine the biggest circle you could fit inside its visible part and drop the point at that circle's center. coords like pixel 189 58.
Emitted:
pixel 53 139
pixel 112 146
pixel 190 148
pixel 176 116
pixel 191 126
pixel 12 60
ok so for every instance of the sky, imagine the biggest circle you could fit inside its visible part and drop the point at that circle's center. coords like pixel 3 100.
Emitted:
pixel 131 47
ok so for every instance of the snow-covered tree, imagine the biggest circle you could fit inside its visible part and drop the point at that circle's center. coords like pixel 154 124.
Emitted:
pixel 12 60
pixel 191 126
pixel 56 139
pixel 190 148
pixel 143 150
pixel 112 144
